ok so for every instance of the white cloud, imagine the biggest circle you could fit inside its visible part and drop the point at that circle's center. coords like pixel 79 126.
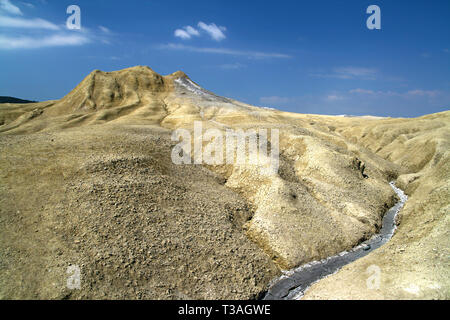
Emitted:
pixel 182 34
pixel 334 97
pixel 224 51
pixel 232 66
pixel 8 7
pixel 423 93
pixel 215 32
pixel 48 41
pixel 29 5
pixel 409 94
pixel 186 33
pixel 22 32
pixel 192 31
pixel 361 91
pixel 349 73
pixel 355 72
pixel 104 29
pixel 10 22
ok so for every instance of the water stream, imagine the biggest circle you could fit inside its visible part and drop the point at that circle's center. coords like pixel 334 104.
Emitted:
pixel 294 283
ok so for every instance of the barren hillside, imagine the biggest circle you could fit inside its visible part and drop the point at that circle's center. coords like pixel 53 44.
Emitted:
pixel 88 180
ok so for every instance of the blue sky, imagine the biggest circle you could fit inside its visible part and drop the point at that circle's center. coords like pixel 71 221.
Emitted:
pixel 300 56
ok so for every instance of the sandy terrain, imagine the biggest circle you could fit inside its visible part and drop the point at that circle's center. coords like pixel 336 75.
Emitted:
pixel 88 180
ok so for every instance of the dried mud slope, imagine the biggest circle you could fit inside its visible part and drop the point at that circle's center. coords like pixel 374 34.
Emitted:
pixel 109 200
pixel 221 231
pixel 415 264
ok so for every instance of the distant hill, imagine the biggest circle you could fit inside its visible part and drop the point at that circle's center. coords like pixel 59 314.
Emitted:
pixel 14 100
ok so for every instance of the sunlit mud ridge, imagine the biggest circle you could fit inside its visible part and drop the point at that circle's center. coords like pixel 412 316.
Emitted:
pixel 294 283
pixel 88 180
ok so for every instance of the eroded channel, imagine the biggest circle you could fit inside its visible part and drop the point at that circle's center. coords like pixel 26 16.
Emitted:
pixel 294 283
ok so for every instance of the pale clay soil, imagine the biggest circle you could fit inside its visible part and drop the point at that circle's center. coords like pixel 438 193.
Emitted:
pixel 88 181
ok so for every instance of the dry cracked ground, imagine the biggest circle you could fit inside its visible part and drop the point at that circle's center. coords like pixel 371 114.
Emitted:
pixel 88 181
